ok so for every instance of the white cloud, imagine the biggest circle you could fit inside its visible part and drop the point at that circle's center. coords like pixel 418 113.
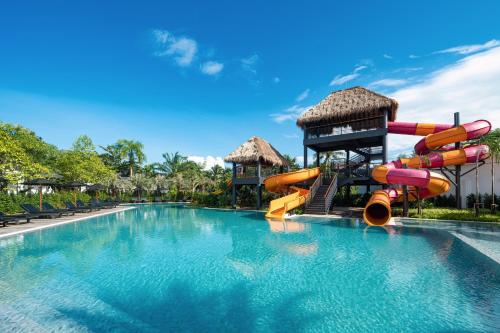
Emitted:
pixel 207 161
pixel 211 67
pixel 413 56
pixel 181 49
pixel 388 83
pixel 292 113
pixel 339 79
pixel 360 68
pixel 387 56
pixel 276 80
pixel 469 86
pixel 303 95
pixel 248 64
pixel 468 49
pixel 408 69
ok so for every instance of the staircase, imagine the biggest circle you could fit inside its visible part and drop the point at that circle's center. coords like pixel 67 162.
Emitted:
pixel 322 196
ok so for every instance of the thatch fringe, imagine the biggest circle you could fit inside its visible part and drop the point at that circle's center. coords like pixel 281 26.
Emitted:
pixel 347 105
pixel 254 150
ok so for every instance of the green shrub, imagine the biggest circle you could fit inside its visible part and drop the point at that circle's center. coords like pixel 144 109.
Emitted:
pixel 10 203
pixel 451 214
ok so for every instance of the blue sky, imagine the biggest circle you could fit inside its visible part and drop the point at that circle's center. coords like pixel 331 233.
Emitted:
pixel 202 77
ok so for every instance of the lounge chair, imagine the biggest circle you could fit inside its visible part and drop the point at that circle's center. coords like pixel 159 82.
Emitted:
pixel 101 204
pixel 49 208
pixel 36 213
pixel 72 207
pixel 81 204
pixel 107 203
pixel 4 219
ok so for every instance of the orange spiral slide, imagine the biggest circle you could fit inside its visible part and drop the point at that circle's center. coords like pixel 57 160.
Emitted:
pixel 432 152
pixel 295 196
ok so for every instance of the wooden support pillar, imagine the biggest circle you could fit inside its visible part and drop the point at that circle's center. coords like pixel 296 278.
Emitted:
pixel 405 198
pixel 348 171
pixel 458 168
pixel 384 142
pixel 259 196
pixel 259 185
pixel 318 161
pixel 384 139
pixel 305 157
pixel 233 196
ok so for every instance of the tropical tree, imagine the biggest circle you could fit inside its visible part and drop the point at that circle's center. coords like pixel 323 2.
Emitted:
pixel 162 183
pixel 492 139
pixel 112 157
pixel 292 162
pixel 133 152
pixel 173 163
pixel 82 163
pixel 142 183
pixel 15 163
pixel 33 146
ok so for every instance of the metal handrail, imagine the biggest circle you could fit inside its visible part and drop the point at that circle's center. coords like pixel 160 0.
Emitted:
pixel 313 189
pixel 330 193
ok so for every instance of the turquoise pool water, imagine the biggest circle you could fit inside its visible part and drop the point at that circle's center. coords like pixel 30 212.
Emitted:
pixel 167 269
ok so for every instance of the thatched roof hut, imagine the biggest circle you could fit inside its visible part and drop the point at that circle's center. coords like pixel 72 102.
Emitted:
pixel 254 150
pixel 358 105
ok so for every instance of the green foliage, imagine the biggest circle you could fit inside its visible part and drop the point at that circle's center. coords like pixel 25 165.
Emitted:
pixel 10 203
pixel 124 156
pixel 451 214
pixel 82 164
pixel 492 139
pixel 84 144
pixel 33 146
pixel 15 163
pixel 484 198
pixel 342 199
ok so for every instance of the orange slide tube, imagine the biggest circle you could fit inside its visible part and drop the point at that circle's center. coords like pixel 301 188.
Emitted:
pixel 432 153
pixel 295 196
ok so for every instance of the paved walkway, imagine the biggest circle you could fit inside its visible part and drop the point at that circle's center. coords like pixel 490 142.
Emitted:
pixel 37 224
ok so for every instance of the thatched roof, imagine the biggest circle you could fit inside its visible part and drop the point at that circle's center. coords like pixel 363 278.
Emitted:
pixel 347 105
pixel 254 150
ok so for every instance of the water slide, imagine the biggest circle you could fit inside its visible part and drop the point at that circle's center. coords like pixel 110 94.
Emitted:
pixel 295 196
pixel 433 151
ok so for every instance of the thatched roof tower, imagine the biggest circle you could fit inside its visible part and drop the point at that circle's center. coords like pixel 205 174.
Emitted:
pixel 254 150
pixel 349 105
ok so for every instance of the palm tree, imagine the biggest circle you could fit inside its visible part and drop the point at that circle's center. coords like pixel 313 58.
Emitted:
pixel 292 162
pixel 216 173
pixel 174 163
pixel 132 152
pixel 492 139
pixel 141 183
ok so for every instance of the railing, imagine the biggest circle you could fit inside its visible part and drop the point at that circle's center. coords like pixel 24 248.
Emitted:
pixel 345 127
pixel 251 172
pixel 330 193
pixel 313 189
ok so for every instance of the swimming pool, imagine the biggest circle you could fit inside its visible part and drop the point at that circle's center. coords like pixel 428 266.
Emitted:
pixel 164 268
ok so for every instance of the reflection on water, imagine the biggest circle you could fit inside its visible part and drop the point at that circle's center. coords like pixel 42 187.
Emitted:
pixel 286 226
pixel 160 268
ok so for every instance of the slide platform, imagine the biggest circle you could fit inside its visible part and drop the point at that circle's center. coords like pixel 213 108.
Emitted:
pixel 432 152
pixel 295 196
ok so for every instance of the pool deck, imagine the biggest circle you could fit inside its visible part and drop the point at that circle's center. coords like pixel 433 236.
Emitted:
pixel 38 224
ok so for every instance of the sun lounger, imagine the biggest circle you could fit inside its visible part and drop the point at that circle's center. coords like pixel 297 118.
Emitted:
pixel 81 204
pixel 36 213
pixel 76 209
pixel 101 204
pixel 16 218
pixel 49 208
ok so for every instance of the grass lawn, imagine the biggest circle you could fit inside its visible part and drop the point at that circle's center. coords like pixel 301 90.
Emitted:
pixel 451 214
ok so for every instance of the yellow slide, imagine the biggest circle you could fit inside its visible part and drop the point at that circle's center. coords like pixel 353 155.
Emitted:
pixel 295 197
